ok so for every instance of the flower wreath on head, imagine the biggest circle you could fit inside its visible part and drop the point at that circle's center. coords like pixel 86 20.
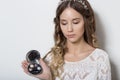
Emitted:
pixel 80 1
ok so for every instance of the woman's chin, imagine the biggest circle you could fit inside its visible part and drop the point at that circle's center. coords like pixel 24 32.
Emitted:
pixel 72 40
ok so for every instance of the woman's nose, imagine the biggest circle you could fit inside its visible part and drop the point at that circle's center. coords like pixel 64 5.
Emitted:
pixel 69 28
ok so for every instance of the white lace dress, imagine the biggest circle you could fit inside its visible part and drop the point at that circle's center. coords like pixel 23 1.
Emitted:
pixel 94 67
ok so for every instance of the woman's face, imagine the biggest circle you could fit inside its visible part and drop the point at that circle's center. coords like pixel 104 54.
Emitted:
pixel 72 25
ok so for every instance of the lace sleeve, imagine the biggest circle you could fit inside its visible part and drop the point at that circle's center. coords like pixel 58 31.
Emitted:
pixel 47 58
pixel 104 69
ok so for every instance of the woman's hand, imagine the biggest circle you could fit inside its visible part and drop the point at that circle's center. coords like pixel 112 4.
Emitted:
pixel 46 74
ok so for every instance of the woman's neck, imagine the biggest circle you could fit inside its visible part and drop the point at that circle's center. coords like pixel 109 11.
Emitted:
pixel 79 47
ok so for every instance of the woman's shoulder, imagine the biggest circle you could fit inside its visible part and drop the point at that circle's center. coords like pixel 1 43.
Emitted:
pixel 99 51
pixel 100 54
pixel 48 57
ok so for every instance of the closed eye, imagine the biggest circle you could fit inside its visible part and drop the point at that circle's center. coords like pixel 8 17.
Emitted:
pixel 63 22
pixel 77 22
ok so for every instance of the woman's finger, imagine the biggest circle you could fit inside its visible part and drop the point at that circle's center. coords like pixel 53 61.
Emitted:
pixel 25 66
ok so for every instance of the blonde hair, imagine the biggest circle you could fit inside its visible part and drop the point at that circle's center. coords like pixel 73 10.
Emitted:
pixel 59 49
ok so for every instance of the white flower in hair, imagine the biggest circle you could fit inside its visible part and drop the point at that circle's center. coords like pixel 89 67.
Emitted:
pixel 80 1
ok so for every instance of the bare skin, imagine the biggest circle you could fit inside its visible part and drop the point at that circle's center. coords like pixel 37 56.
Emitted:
pixel 72 26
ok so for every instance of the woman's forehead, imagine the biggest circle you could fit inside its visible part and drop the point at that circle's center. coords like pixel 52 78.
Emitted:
pixel 70 13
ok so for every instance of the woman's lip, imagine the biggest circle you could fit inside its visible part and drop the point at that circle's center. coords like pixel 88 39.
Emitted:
pixel 71 35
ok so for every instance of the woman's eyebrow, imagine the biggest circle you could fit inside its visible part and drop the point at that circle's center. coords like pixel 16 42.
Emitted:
pixel 62 20
pixel 72 19
pixel 76 18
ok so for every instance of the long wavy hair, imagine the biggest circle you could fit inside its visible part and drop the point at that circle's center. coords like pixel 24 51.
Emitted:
pixel 59 49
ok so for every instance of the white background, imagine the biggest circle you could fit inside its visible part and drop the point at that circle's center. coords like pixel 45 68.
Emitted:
pixel 28 24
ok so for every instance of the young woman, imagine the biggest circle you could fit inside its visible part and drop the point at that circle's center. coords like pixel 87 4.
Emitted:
pixel 75 55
